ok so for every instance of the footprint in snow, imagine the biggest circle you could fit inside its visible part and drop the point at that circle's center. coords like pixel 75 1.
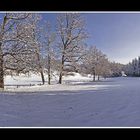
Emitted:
pixel 69 108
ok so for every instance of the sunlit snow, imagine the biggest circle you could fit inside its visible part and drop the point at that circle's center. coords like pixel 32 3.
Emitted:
pixel 78 102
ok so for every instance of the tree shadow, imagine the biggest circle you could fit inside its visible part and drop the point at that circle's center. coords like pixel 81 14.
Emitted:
pixel 54 93
pixel 91 83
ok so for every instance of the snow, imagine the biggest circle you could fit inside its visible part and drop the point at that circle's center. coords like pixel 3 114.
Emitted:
pixel 123 74
pixel 32 83
pixel 113 102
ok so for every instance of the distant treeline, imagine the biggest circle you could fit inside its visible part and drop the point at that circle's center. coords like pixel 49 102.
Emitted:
pixel 133 67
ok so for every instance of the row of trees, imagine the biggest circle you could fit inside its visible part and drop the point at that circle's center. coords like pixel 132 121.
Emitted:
pixel 30 44
pixel 97 64
pixel 133 68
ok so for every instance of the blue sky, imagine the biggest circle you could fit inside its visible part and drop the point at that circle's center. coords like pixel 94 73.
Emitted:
pixel 115 34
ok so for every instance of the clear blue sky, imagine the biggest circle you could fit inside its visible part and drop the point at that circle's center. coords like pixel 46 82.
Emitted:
pixel 116 34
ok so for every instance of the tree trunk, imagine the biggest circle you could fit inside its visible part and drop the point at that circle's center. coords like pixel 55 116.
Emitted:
pixel 61 71
pixel 94 75
pixel 98 77
pixel 40 68
pixel 1 54
pixel 94 78
pixel 60 78
pixel 42 77
pixel 49 70
pixel 49 78
pixel 1 73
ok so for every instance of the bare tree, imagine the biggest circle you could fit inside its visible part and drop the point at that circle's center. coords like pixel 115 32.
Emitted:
pixel 8 36
pixel 116 69
pixel 102 67
pixel 49 45
pixel 90 61
pixel 95 63
pixel 70 29
pixel 36 43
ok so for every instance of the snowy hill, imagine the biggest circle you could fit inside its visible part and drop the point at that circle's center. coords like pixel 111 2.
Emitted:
pixel 32 83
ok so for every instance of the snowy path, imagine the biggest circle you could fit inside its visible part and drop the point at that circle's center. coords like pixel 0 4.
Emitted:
pixel 115 102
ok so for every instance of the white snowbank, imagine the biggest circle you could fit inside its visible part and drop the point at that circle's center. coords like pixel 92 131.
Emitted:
pixel 76 77
pixel 32 83
pixel 123 74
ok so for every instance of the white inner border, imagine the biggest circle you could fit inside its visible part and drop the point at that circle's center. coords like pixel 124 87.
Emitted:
pixel 88 12
pixel 70 12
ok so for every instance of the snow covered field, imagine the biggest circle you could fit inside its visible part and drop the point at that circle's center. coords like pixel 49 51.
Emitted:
pixel 113 102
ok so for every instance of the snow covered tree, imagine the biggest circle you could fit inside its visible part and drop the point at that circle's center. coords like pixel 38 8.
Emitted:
pixel 37 45
pixel 71 33
pixel 116 69
pixel 95 63
pixel 9 37
pixel 103 68
pixel 138 66
pixel 92 61
pixel 133 67
pixel 29 43
pixel 49 45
